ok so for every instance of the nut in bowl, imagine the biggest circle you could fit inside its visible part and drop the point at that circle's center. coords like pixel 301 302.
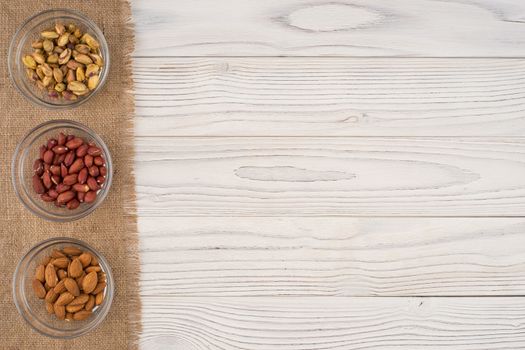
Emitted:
pixel 62 170
pixel 58 58
pixel 63 287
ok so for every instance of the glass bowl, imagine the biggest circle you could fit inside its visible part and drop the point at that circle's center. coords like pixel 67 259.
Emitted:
pixel 21 46
pixel 22 170
pixel 33 310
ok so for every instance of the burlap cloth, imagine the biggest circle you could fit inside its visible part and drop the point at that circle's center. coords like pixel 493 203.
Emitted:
pixel 112 227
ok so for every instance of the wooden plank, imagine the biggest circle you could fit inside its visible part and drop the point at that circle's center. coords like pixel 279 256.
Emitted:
pixel 362 176
pixel 235 256
pixel 329 97
pixel 333 323
pixel 348 27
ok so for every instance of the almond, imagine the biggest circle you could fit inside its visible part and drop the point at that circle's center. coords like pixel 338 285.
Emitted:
pixel 60 287
pixel 90 282
pixel 99 288
pixel 65 298
pixel 51 296
pixel 93 268
pixel 81 315
pixel 71 250
pixel 51 275
pixel 90 303
pixel 39 289
pixel 60 311
pixel 80 279
pixel 75 269
pixel 49 308
pixel 80 300
pixel 61 263
pixel 85 258
pixel 99 298
pixel 94 261
pixel 72 286
pixel 61 274
pixel 40 273
pixel 74 308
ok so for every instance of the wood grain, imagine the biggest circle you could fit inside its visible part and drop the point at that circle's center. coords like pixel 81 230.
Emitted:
pixel 326 27
pixel 330 176
pixel 333 323
pixel 329 97
pixel 235 256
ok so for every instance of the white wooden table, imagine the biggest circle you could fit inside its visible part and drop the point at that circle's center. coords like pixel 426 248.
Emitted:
pixel 328 174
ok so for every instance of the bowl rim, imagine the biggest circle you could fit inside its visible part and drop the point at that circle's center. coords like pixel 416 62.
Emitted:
pixel 67 123
pixel 37 101
pixel 109 292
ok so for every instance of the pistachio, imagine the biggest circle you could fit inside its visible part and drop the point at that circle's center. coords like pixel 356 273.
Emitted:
pixel 29 62
pixel 92 43
pixel 93 82
pixel 58 75
pixel 40 73
pixel 65 61
pixel 64 56
pixel 49 35
pixel 63 40
pixel 97 59
pixel 52 59
pixel 81 76
pixel 48 45
pixel 91 70
pixel 77 88
pixel 47 80
pixel 31 74
pixel 70 76
pixel 39 58
pixel 60 87
pixel 73 39
pixel 60 28
pixel 37 44
pixel 83 49
pixel 84 59
pixel 68 95
pixel 46 69
pixel 72 64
